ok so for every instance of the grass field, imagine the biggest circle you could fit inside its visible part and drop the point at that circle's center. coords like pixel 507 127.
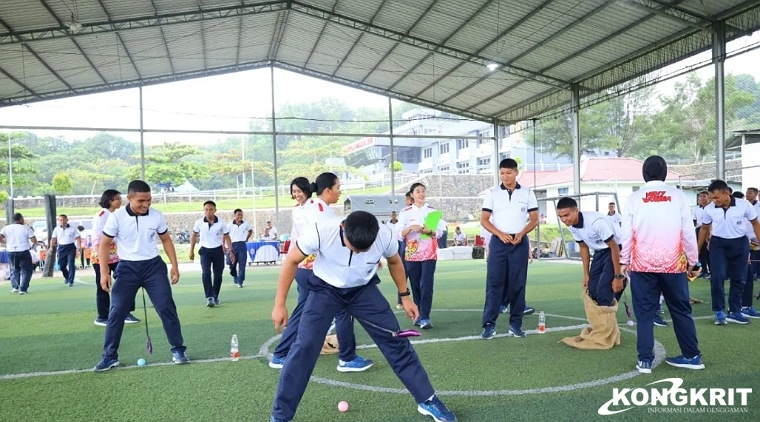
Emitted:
pixel 48 346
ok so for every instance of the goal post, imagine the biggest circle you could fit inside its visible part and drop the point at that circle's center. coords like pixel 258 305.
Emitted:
pixel 551 239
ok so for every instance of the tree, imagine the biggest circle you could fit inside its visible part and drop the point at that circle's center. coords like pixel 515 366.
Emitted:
pixel 616 125
pixel 21 160
pixel 687 125
pixel 62 183
pixel 167 163
pixel 396 166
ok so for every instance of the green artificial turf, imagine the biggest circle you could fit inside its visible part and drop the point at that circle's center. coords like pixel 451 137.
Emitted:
pixel 51 330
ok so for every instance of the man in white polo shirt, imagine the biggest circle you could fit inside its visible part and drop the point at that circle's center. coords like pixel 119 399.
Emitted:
pixel 703 200
pixel 239 231
pixel 507 266
pixel 723 224
pixel 66 237
pixel 592 230
pixel 659 247
pixel 345 279
pixel 215 241
pixel 137 228
pixel 17 238
pixel 613 215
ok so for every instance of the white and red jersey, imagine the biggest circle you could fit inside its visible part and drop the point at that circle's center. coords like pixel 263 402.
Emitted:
pixel 658 230
pixel 98 222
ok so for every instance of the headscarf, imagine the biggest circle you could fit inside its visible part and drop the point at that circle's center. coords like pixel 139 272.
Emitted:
pixel 654 168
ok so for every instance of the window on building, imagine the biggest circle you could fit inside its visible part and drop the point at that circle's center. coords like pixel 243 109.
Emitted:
pixel 484 162
pixel 462 144
pixel 563 191
pixel 427 153
pixel 444 168
pixel 443 148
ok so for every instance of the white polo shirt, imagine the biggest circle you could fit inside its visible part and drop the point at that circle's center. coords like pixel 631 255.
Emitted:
pixel 756 205
pixel 509 208
pixel 658 234
pixel 595 230
pixel 211 233
pixel 316 210
pixel 729 223
pixel 136 235
pixel 696 215
pixel 335 263
pixel 17 237
pixel 615 219
pixel 238 233
pixel 65 235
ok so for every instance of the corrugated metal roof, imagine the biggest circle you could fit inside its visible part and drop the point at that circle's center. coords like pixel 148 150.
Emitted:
pixel 431 52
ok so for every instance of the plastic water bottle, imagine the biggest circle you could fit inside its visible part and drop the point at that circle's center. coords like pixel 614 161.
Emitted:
pixel 541 322
pixel 234 351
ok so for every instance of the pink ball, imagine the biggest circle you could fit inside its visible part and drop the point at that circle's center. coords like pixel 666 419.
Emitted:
pixel 343 406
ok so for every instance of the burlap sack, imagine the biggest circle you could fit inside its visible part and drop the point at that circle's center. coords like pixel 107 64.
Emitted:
pixel 330 346
pixel 603 333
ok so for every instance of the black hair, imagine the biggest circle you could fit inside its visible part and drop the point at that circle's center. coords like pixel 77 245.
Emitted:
pixel 737 194
pixel 361 228
pixel 64 216
pixel 212 203
pixel 303 184
pixel 753 190
pixel 236 211
pixel 80 227
pixel 702 192
pixel 107 197
pixel 611 203
pixel 414 186
pixel 408 194
pixel 17 217
pixel 323 181
pixel 138 186
pixel 566 202
pixel 717 185
pixel 508 163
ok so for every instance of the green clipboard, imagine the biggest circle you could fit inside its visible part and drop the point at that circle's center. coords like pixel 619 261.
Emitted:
pixel 431 222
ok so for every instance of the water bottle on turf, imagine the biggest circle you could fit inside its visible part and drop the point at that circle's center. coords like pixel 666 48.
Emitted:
pixel 541 322
pixel 234 351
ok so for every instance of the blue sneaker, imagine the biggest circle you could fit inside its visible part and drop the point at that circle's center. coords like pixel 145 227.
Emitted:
pixel 130 319
pixel 737 318
pixel 750 312
pixel 425 324
pixel 503 309
pixel 528 310
pixel 106 364
pixel 417 322
pixel 682 362
pixel 277 363
pixel 489 331
pixel 273 419
pixel 435 408
pixel 644 366
pixel 720 318
pixel 659 321
pixel 179 357
pixel 515 331
pixel 359 364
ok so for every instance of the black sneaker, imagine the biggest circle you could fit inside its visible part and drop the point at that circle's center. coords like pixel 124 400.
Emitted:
pixel 106 364
pixel 179 357
pixel 101 322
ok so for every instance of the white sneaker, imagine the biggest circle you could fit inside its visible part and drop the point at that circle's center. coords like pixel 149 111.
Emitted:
pixel 14 290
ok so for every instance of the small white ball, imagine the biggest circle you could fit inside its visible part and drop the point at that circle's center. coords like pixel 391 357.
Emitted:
pixel 631 323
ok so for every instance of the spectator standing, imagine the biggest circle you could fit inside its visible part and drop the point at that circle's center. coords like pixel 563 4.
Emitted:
pixel 18 239
pixel 215 244
pixel 67 240
pixel 239 231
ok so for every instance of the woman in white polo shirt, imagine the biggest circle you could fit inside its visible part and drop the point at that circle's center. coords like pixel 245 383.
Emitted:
pixel 421 252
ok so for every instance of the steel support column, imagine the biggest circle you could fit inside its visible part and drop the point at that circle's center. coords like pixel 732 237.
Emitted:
pixel 575 106
pixel 719 58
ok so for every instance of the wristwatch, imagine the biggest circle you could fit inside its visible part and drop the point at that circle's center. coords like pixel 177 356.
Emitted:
pixel 406 293
pixel 619 276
